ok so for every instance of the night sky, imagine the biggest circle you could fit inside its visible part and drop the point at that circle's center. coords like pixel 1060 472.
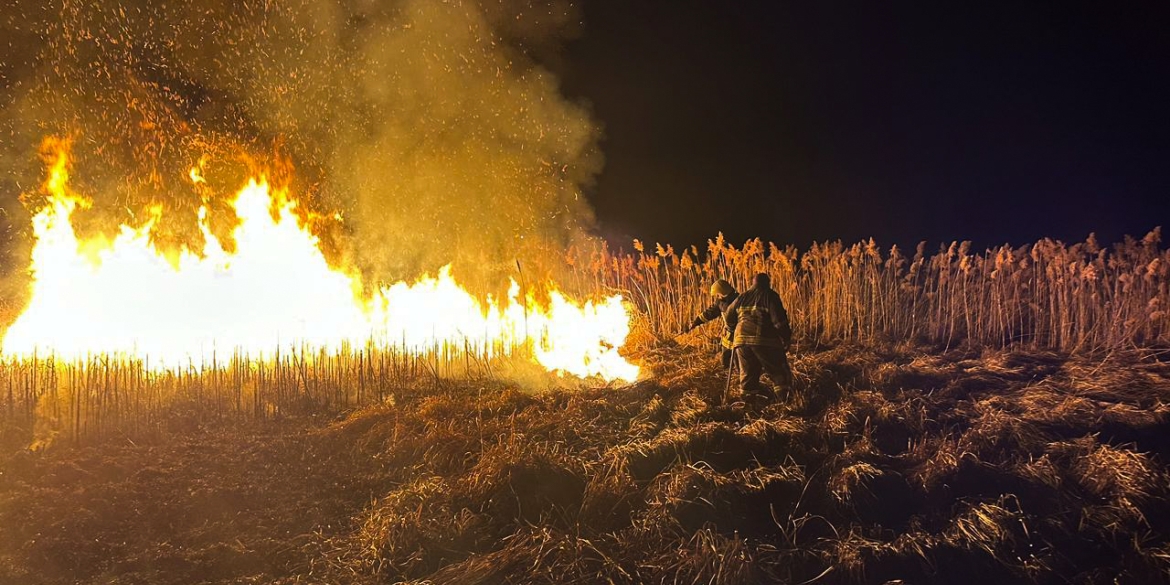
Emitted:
pixel 807 121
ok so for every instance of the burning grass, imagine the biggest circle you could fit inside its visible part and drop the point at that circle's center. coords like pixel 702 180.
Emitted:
pixel 900 464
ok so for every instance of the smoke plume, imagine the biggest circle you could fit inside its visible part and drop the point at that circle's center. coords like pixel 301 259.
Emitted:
pixel 430 126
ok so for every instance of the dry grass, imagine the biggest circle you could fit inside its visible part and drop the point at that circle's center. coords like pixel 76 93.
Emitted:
pixel 955 467
pixel 1016 432
pixel 1048 295
pixel 1080 299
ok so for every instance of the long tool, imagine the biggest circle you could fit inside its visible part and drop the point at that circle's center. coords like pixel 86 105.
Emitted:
pixel 730 376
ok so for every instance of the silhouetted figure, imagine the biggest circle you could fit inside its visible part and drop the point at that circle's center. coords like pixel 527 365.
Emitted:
pixel 724 294
pixel 761 337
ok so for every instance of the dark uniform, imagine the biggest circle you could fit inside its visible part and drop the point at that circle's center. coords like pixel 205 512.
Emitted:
pixel 715 311
pixel 761 337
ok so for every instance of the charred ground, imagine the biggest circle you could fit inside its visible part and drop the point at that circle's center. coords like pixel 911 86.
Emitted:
pixel 909 463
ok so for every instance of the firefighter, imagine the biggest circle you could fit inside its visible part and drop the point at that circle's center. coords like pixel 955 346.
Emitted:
pixel 724 295
pixel 761 337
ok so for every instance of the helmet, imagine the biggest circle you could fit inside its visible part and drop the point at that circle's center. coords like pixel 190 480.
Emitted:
pixel 721 288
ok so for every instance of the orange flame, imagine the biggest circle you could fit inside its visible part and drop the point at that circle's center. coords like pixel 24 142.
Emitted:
pixel 275 289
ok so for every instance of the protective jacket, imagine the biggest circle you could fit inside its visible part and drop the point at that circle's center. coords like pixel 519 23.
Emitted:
pixel 716 311
pixel 758 317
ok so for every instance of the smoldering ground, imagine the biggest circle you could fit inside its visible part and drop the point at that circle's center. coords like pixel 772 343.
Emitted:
pixel 431 127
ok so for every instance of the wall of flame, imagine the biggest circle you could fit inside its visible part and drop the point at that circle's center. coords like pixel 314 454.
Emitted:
pixel 273 289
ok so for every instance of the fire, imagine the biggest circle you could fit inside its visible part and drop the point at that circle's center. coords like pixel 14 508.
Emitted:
pixel 275 289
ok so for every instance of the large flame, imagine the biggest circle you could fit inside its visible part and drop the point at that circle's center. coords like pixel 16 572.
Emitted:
pixel 274 289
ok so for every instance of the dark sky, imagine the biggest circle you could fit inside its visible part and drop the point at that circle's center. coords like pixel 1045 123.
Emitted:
pixel 937 121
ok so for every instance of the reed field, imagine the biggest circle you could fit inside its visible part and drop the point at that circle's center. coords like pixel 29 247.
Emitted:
pixel 959 417
pixel 1048 295
pixel 1081 298
pixel 118 396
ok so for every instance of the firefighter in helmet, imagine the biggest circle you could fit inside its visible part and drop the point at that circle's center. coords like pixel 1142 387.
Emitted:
pixel 724 295
pixel 761 336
